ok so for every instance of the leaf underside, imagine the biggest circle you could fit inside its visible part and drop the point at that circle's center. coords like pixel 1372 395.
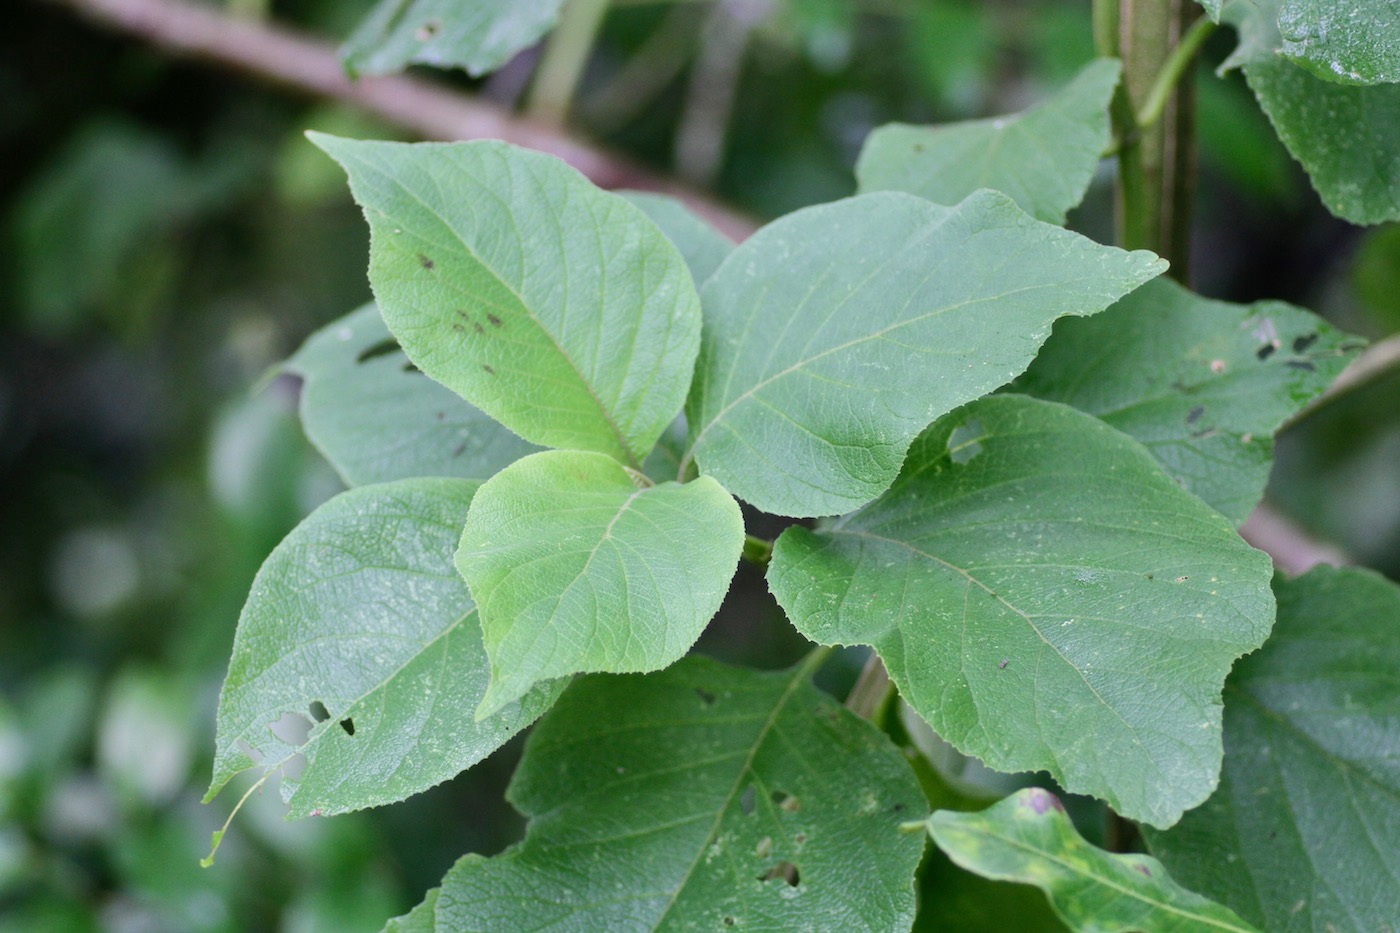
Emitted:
pixel 478 36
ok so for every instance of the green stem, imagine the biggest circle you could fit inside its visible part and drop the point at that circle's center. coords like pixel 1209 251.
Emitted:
pixel 757 550
pixel 1105 19
pixel 1177 63
pixel 561 68
pixel 872 688
pixel 807 668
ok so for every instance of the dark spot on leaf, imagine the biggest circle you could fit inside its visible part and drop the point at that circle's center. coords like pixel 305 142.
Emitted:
pixel 785 801
pixel 897 807
pixel 1002 665
pixel 319 712
pixel 426 31
pixel 800 838
pixel 783 870
pixel 729 921
pixel 348 725
pixel 1301 364
pixel 410 368
pixel 382 348
pixel 460 448
pixel 1144 869
pixel 918 147
pixel 1151 576
pixel 1302 343
pixel 489 370
pixel 1202 434
pixel 495 321
pixel 705 696
pixel 441 415
pixel 1266 351
pixel 1194 414
pixel 427 263
pixel 747 800
pixel 476 326
pixel 459 328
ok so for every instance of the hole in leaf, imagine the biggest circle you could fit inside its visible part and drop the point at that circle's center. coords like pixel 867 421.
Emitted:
pixel 1266 351
pixel 1194 414
pixel 785 801
pixel 1301 364
pixel 292 728
pixel 348 725
pixel 374 351
pixel 705 696
pixel 425 262
pixel 318 711
pixel 965 442
pixel 747 800
pixel 785 871
pixel 729 921
pixel 1302 343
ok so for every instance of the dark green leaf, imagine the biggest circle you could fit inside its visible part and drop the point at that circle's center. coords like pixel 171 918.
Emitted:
pixel 705 797
pixel 1304 832
pixel 1043 157
pixel 421 919
pixel 1028 838
pixel 358 625
pixel 1047 597
pixel 558 309
pixel 376 418
pixel 836 334
pixel 579 564
pixel 477 35
pixel 1203 384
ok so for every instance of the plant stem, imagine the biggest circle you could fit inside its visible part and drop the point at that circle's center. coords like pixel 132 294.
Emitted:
pixel 871 690
pixel 565 55
pixel 1170 75
pixel 757 550
pixel 1156 160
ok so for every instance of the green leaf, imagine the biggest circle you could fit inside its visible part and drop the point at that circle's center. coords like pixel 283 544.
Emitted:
pixel 1346 137
pixel 477 35
pixel 376 418
pixel 1043 157
pixel 421 919
pixel 705 797
pixel 701 245
pixel 836 334
pixel 579 564
pixel 1028 838
pixel 1347 41
pixel 1304 832
pixel 558 309
pixel 358 623
pixel 1203 384
pixel 1048 598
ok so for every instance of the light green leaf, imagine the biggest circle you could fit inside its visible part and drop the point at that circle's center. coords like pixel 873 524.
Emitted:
pixel 1304 832
pixel 1346 137
pixel 1043 157
pixel 836 334
pixel 376 418
pixel 558 309
pixel 702 246
pixel 1348 41
pixel 1028 838
pixel 477 35
pixel 579 564
pixel 1203 384
pixel 1048 598
pixel 780 812
pixel 358 623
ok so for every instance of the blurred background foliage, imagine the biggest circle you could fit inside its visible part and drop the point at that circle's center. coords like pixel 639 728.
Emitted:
pixel 168 237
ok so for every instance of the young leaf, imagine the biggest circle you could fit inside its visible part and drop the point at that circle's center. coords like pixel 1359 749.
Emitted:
pixel 376 418
pixel 1047 598
pixel 781 811
pixel 358 623
pixel 702 246
pixel 1202 384
pixel 1304 832
pixel 556 308
pixel 1043 157
pixel 837 333
pixel 1348 41
pixel 476 35
pixel 579 564
pixel 1028 838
